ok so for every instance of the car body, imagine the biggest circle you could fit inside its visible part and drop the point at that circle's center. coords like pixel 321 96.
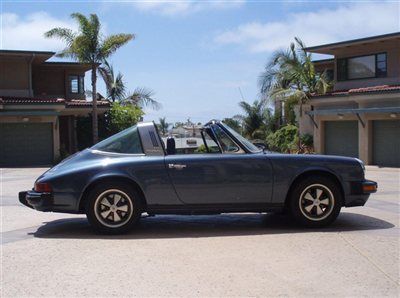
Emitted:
pixel 232 175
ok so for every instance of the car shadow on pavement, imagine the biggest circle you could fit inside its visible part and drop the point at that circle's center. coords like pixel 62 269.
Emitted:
pixel 169 226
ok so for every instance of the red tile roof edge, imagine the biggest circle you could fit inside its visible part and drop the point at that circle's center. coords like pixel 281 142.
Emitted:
pixel 372 89
pixel 66 102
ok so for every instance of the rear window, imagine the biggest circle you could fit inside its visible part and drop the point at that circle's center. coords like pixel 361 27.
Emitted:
pixel 126 141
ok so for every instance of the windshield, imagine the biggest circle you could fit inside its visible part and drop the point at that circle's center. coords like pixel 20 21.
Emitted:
pixel 126 141
pixel 249 145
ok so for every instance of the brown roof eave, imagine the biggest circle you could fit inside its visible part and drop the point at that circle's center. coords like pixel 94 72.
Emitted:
pixel 327 48
pixel 346 93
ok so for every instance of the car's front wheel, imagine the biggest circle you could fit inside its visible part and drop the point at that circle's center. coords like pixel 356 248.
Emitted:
pixel 113 208
pixel 315 201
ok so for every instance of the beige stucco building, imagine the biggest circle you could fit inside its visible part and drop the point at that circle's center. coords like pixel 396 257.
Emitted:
pixel 39 103
pixel 360 117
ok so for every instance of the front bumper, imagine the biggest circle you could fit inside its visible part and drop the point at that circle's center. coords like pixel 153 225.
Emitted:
pixel 360 192
pixel 41 201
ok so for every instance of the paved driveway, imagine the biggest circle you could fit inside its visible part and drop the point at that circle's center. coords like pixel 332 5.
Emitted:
pixel 227 255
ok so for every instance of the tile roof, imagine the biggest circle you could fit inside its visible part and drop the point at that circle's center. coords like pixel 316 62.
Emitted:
pixel 355 91
pixel 71 103
pixel 29 100
pixel 84 103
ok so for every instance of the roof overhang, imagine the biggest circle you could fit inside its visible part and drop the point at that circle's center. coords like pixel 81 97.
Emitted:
pixel 29 113
pixel 355 111
pixel 324 61
pixel 70 65
pixel 331 48
pixel 36 57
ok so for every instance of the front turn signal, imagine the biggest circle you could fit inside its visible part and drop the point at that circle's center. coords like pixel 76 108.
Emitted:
pixel 368 188
pixel 42 187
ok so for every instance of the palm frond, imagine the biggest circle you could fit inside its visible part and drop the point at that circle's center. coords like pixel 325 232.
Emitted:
pixel 65 34
pixel 113 43
pixel 83 22
pixel 143 97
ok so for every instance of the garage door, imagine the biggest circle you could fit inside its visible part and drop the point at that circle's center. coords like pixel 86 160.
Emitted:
pixel 386 143
pixel 341 138
pixel 26 144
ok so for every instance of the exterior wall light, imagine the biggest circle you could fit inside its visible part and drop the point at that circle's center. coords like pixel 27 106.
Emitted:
pixel 25 119
pixel 340 116
pixel 393 115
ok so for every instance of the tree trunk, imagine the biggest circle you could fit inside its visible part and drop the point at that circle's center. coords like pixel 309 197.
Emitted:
pixel 94 102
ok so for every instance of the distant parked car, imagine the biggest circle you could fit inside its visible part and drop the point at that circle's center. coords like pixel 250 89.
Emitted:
pixel 118 179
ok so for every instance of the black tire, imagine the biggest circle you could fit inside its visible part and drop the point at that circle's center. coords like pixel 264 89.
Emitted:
pixel 113 208
pixel 313 195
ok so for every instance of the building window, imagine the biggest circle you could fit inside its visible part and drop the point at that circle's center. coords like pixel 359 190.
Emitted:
pixel 381 65
pixel 371 66
pixel 76 84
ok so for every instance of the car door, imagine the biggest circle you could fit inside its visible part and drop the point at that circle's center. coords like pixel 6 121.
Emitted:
pixel 233 177
pixel 221 178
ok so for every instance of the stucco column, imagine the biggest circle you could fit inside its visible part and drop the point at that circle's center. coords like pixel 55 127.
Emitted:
pixel 364 140
pixel 306 126
pixel 318 135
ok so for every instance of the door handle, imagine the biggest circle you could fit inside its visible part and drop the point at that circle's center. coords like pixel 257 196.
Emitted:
pixel 176 166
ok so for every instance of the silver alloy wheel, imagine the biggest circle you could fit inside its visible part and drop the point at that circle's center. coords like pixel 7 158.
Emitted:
pixel 316 202
pixel 113 208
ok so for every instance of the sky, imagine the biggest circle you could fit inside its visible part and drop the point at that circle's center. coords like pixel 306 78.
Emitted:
pixel 201 58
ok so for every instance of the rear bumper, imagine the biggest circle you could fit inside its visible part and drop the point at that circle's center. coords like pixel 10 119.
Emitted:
pixel 360 192
pixel 40 201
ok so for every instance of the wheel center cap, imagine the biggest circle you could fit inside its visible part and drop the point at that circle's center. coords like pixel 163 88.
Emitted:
pixel 316 202
pixel 113 208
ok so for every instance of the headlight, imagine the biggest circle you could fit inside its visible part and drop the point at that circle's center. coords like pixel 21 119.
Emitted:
pixel 361 164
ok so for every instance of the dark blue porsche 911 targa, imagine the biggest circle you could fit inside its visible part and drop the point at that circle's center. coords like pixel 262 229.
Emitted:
pixel 133 172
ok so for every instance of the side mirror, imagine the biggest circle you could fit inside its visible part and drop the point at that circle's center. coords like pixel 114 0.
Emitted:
pixel 261 146
pixel 171 149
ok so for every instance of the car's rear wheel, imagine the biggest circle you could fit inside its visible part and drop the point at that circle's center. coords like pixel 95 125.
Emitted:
pixel 315 201
pixel 113 208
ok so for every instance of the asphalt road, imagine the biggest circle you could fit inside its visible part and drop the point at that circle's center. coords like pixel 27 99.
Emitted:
pixel 46 254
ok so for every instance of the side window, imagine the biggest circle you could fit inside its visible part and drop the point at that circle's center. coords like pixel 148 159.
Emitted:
pixel 192 145
pixel 227 145
pixel 209 143
pixel 126 141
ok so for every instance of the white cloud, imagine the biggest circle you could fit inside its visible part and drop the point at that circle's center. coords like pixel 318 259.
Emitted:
pixel 315 28
pixel 26 33
pixel 184 7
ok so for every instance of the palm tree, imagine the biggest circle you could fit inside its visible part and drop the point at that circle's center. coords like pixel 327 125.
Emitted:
pixel 256 119
pixel 115 85
pixel 164 125
pixel 116 89
pixel 89 46
pixel 290 75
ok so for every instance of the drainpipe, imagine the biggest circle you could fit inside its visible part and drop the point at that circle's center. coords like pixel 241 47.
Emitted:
pixel 30 75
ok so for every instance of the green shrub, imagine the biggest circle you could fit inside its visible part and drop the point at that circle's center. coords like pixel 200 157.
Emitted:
pixel 201 149
pixel 284 139
pixel 307 140
pixel 123 116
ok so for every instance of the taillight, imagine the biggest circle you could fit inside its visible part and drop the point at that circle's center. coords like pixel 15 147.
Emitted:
pixel 42 187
